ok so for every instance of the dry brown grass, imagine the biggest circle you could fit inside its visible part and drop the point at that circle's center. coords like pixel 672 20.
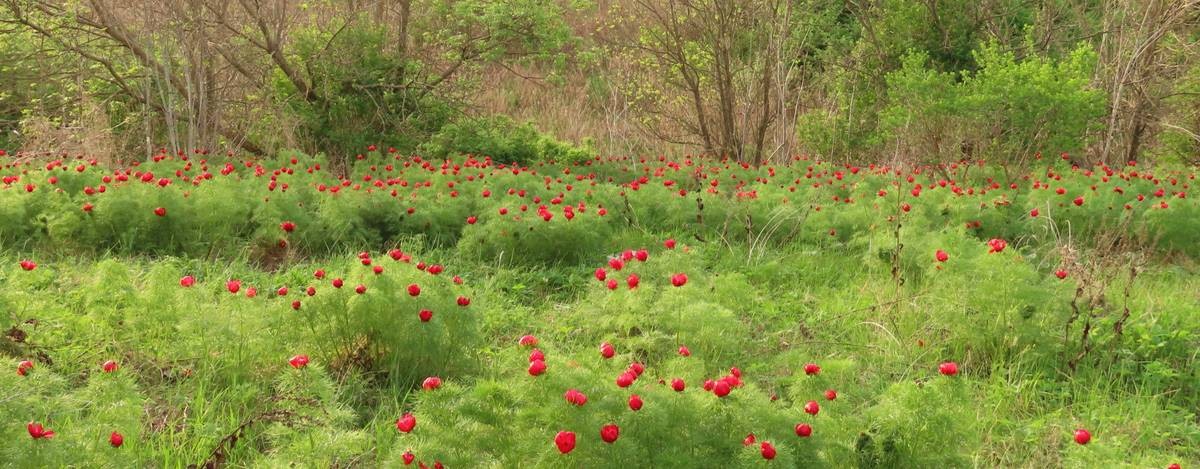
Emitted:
pixel 567 111
pixel 88 134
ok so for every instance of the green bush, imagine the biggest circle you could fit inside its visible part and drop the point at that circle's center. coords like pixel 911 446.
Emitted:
pixel 504 140
pixel 929 424
pixel 380 333
pixel 377 112
pixel 527 238
pixel 511 419
pixel 1008 109
pixel 656 318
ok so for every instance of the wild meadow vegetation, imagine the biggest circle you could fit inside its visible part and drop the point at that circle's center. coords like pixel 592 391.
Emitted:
pixel 599 233
pixel 676 312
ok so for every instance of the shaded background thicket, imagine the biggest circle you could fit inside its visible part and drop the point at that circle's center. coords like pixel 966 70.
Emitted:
pixel 912 81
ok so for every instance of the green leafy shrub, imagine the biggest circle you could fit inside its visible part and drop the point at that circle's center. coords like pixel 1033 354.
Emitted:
pixel 502 139
pixel 1008 108
pixel 377 113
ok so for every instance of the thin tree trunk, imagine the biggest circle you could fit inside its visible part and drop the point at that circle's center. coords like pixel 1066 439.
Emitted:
pixel 402 29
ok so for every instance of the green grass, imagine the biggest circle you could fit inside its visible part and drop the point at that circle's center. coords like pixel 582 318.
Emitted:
pixel 198 364
pixel 204 374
